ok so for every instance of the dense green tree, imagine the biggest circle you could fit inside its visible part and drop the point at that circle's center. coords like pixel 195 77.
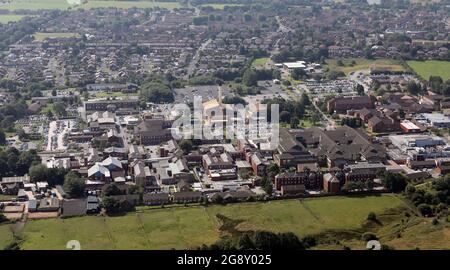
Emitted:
pixel 294 122
pixel 395 182
pixel 54 176
pixel 272 170
pixel 185 145
pixel 60 109
pixel 264 240
pixel 298 73
pixel 290 241
pixel 111 205
pixel 359 89
pixel 38 173
pixel 111 190
pixel 413 88
pixel 2 137
pixel 285 117
pixel 74 185
pixel 250 78
pixel 156 92
pixel 425 210
pixel 304 100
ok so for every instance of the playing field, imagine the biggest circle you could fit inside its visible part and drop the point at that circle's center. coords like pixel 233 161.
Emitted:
pixel 130 4
pixel 220 6
pixel 425 69
pixel 259 62
pixel 39 36
pixel 364 64
pixel 10 18
pixel 63 4
pixel 189 227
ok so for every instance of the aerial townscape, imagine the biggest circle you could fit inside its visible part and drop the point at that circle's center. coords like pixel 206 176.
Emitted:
pixel 117 120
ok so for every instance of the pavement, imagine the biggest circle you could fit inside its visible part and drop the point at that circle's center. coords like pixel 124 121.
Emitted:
pixel 58 133
pixel 191 67
pixel 361 77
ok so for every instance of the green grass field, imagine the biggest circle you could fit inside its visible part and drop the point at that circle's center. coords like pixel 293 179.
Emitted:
pixel 6 236
pixel 433 67
pixel 39 36
pixel 6 197
pixel 130 4
pixel 63 4
pixel 189 227
pixel 6 18
pixel 34 4
pixel 260 62
pixel 361 64
pixel 220 6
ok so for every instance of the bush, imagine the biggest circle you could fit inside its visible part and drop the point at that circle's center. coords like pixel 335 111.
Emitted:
pixel 111 190
pixel 435 221
pixel 368 236
pixel 111 205
pixel 250 199
pixel 217 198
pixel 386 247
pixel 425 210
pixel 309 241
pixel 371 216
pixel 3 218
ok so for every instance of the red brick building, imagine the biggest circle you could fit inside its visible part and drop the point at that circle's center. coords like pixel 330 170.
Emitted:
pixel 343 104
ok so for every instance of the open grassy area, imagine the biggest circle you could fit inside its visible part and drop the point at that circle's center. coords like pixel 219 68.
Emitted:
pixel 6 236
pixel 220 6
pixel 308 216
pixel 259 62
pixel 305 123
pixel 6 197
pixel 421 233
pixel 34 4
pixel 130 4
pixel 40 36
pixel 6 18
pixel 155 229
pixel 47 108
pixel 433 67
pixel 362 63
pixel 63 4
pixel 189 227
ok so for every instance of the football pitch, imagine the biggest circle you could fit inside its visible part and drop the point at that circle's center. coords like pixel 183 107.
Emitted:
pixel 425 69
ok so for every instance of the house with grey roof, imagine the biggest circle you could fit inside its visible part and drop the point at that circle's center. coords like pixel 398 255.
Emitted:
pixel 155 198
pixel 344 145
pixel 73 207
pixel 290 151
